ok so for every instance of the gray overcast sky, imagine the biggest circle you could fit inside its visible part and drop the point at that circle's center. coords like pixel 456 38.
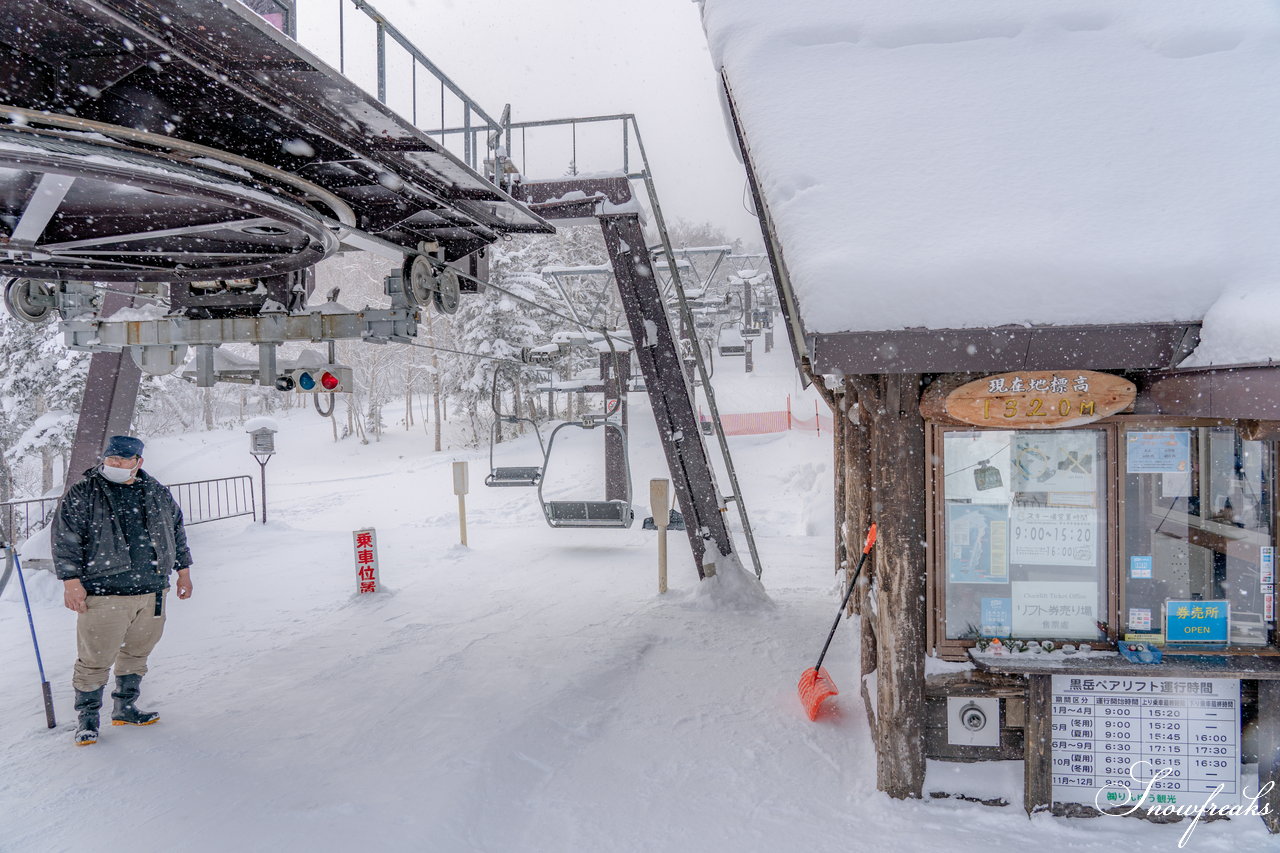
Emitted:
pixel 565 58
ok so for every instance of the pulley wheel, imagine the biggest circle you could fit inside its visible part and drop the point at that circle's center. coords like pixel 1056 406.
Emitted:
pixel 419 280
pixel 28 300
pixel 448 292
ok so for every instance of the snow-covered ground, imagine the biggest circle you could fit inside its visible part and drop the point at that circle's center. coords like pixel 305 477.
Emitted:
pixel 530 692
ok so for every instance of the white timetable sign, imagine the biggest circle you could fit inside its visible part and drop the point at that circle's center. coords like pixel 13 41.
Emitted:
pixel 1173 740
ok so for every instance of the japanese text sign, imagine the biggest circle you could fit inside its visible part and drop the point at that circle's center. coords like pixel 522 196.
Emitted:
pixel 1041 399
pixel 1196 621
pixel 1117 740
pixel 366 551
pixel 1162 452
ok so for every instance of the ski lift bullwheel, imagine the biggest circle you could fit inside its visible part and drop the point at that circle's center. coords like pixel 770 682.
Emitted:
pixel 82 211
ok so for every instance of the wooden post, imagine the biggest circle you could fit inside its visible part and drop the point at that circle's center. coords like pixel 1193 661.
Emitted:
pixel 898 507
pixel 1269 750
pixel 660 504
pixel 838 443
pixel 1037 756
pixel 460 481
pixel 857 517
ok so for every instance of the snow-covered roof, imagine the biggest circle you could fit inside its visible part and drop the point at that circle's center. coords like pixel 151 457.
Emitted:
pixel 935 164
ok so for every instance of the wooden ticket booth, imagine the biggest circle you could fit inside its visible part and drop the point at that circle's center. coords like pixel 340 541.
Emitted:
pixel 1096 576
pixel 1104 554
pixel 1011 286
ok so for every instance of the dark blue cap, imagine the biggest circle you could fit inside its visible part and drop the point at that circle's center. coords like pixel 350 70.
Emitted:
pixel 124 446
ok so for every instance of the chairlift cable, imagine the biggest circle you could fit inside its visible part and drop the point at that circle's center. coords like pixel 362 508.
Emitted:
pixel 533 304
pixel 471 354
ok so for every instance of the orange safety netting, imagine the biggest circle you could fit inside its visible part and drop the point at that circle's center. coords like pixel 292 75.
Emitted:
pixel 762 423
pixel 754 423
pixel 818 423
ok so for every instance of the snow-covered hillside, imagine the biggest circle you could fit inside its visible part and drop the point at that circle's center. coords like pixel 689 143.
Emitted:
pixel 530 692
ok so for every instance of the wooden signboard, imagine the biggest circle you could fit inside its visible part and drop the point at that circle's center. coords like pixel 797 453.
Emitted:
pixel 1040 399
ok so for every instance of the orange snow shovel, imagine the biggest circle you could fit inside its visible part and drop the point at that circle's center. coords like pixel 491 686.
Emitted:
pixel 816 683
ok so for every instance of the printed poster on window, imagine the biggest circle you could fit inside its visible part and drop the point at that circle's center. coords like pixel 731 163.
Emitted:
pixel 977 543
pixel 1164 452
pixel 997 617
pixel 1055 462
pixel 1064 609
pixel 1054 536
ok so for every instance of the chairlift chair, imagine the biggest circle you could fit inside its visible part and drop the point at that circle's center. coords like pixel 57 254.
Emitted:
pixel 511 476
pixel 586 513
pixel 729 342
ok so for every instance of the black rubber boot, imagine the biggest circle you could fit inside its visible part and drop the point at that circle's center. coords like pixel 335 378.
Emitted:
pixel 88 703
pixel 126 713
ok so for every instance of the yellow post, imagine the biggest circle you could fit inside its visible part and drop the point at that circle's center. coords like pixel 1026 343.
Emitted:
pixel 460 489
pixel 660 503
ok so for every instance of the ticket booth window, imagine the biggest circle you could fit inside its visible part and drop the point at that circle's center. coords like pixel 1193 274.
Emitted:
pixel 1024 523
pixel 1198 534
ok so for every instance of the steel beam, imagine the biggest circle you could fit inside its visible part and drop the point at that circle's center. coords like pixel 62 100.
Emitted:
pixel 659 357
pixel 275 328
pixel 110 396
pixel 616 480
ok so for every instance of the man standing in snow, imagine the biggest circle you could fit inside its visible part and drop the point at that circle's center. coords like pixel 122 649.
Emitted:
pixel 116 536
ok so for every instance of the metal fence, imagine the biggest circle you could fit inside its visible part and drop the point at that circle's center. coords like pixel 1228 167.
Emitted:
pixel 201 501
pixel 214 500
pixel 19 519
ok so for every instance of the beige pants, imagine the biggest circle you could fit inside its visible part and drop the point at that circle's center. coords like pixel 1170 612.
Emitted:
pixel 119 630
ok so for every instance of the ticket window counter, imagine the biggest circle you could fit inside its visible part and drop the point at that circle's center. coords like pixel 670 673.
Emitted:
pixel 1097 534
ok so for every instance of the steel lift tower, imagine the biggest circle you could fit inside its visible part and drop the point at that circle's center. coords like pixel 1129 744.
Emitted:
pixel 189 160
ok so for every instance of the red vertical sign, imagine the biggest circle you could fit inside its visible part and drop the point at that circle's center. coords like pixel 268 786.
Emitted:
pixel 366 547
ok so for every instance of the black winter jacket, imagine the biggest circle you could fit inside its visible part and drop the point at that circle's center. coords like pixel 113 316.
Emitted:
pixel 88 541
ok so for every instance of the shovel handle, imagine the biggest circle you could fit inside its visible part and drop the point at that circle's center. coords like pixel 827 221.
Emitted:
pixel 866 549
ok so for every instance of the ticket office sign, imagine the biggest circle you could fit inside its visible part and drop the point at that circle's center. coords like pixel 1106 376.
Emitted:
pixel 1120 740
pixel 1040 399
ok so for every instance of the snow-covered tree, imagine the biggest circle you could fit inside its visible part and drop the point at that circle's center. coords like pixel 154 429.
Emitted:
pixel 40 391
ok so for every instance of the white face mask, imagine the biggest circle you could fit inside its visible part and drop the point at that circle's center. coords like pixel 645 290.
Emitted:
pixel 118 475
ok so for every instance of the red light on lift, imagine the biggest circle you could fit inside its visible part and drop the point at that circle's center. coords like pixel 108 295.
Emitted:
pixel 329 381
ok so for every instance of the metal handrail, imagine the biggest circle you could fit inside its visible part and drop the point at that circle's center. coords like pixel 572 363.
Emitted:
pixel 9 511
pixel 384 30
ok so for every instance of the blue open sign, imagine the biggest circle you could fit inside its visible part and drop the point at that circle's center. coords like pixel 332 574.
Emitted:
pixel 1196 621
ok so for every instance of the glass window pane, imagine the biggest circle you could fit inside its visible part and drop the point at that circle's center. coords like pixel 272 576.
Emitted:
pixel 1025 533
pixel 1198 522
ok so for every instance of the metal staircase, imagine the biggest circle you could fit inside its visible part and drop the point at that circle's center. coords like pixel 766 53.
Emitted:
pixel 610 202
